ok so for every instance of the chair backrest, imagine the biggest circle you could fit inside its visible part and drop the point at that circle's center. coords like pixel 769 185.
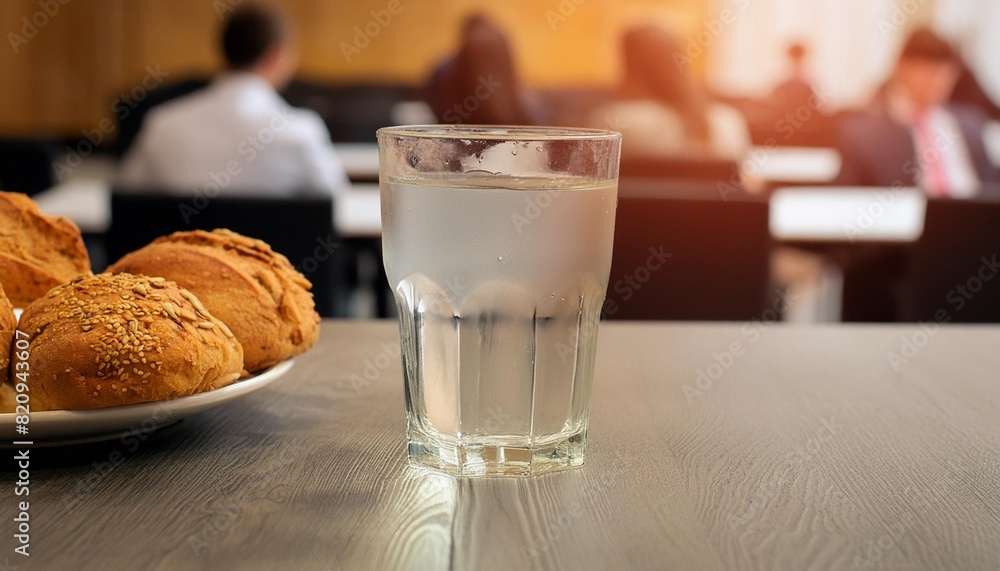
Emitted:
pixel 131 114
pixel 27 166
pixel 952 268
pixel 684 252
pixel 692 169
pixel 300 228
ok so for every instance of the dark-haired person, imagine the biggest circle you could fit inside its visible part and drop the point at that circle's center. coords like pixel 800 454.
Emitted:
pixel 912 136
pixel 795 90
pixel 479 84
pixel 661 111
pixel 238 134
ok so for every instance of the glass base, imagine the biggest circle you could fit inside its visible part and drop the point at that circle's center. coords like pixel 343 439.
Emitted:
pixel 498 459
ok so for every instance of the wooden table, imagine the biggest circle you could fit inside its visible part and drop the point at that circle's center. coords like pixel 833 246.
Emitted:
pixel 801 448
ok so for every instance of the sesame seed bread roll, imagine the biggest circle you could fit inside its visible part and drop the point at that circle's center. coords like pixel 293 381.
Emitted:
pixel 8 323
pixel 110 340
pixel 243 282
pixel 37 252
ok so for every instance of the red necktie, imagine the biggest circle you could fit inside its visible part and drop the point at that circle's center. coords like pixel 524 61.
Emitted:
pixel 935 173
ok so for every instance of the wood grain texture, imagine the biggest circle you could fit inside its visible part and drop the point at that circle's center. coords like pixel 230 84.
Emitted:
pixel 63 79
pixel 808 451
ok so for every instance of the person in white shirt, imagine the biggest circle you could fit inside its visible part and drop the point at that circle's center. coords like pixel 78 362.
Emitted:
pixel 238 135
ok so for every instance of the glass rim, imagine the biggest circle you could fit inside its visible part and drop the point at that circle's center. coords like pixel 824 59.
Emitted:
pixel 497 133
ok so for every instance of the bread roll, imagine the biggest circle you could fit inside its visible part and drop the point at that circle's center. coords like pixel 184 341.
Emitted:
pixel 37 252
pixel 250 287
pixel 106 340
pixel 8 323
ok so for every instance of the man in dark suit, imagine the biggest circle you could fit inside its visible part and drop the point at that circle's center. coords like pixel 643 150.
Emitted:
pixel 911 136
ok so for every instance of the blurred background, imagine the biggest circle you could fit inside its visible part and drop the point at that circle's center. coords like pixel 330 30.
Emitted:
pixel 802 160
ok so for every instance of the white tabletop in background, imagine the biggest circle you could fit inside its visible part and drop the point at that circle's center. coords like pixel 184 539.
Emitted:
pixel 800 214
pixel 85 201
pixel 847 214
pixel 360 160
pixel 796 214
pixel 357 212
pixel 803 165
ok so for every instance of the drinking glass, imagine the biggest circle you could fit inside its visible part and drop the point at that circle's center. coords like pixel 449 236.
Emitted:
pixel 497 245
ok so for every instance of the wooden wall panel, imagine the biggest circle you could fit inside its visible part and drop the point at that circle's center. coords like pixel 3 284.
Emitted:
pixel 57 80
pixel 65 78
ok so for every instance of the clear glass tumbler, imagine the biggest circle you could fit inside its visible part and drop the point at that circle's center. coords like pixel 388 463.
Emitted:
pixel 497 243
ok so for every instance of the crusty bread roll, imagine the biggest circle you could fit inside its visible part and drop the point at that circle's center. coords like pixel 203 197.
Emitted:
pixel 8 323
pixel 106 340
pixel 37 252
pixel 250 287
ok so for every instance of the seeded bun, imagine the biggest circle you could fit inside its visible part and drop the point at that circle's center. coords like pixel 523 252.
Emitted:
pixel 37 252
pixel 8 323
pixel 106 340
pixel 250 287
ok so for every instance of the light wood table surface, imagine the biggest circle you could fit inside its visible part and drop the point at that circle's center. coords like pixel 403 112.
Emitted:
pixel 808 451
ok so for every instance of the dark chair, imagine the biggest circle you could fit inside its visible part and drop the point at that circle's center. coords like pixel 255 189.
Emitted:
pixel 131 113
pixel 301 228
pixel 352 113
pixel 704 169
pixel 951 270
pixel 26 166
pixel 682 252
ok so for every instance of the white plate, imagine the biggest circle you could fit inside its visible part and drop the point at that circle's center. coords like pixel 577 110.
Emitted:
pixel 59 427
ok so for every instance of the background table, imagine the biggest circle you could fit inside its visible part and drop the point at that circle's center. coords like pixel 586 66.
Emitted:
pixel 803 450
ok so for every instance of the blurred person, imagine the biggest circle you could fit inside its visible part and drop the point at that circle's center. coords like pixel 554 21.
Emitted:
pixel 238 132
pixel 968 91
pixel 911 135
pixel 796 89
pixel 661 111
pixel 479 84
